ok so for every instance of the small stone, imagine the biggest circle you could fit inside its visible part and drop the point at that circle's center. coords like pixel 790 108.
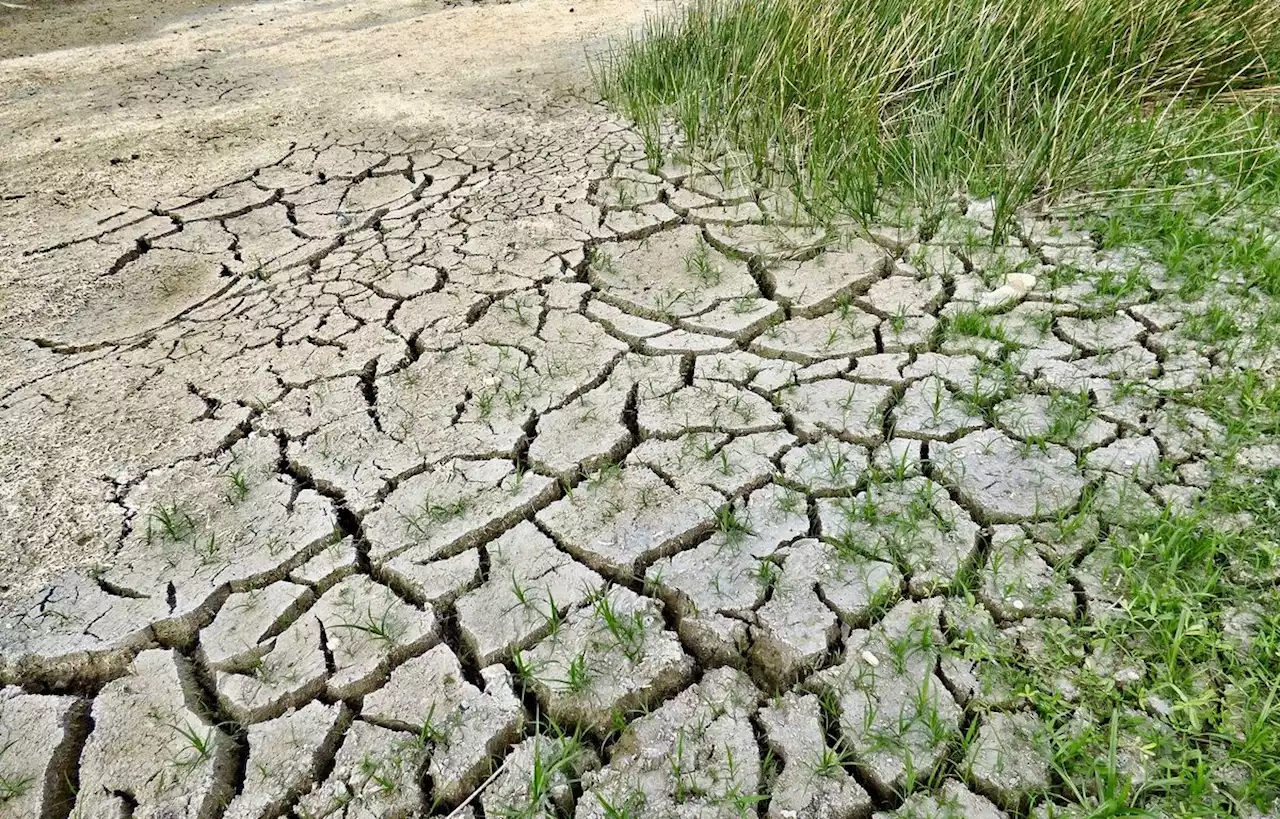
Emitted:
pixel 1021 282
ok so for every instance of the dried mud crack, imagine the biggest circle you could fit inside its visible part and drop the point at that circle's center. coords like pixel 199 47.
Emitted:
pixel 527 455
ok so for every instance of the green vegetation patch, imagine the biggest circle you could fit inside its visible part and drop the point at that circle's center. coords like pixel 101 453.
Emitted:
pixel 860 103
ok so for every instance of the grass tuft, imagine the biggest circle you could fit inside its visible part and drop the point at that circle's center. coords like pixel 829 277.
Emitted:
pixel 866 103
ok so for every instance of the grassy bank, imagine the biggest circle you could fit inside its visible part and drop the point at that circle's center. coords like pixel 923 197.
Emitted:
pixel 1153 124
pixel 863 102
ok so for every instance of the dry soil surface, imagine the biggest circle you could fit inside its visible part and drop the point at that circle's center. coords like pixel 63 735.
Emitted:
pixel 370 404
pixel 100 133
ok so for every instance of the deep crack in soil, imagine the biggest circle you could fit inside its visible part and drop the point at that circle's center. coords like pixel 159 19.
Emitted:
pixel 367 461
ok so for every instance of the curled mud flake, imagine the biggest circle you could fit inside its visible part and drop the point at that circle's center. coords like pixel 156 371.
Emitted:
pixel 951 801
pixel 826 467
pixel 40 743
pixel 818 592
pixel 849 411
pixel 76 630
pixel 706 406
pixel 678 274
pixel 913 525
pixel 623 517
pixel 453 506
pixel 813 781
pixel 203 527
pixel 1009 761
pixel 538 777
pixel 714 587
pixel 1136 458
pixel 286 756
pixel 932 410
pixel 376 773
pixel 246 620
pixel 841 333
pixel 729 465
pixel 1016 582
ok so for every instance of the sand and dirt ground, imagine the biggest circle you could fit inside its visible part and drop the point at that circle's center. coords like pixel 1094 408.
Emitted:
pixel 370 408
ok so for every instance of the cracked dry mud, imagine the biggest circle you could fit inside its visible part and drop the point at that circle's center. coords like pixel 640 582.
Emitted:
pixel 428 445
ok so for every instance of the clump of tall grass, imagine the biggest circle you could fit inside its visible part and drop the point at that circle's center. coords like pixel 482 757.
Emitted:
pixel 863 101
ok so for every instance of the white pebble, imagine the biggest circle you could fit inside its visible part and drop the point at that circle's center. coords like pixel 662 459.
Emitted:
pixel 1022 282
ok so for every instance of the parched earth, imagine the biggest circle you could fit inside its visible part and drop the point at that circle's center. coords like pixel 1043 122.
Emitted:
pixel 510 475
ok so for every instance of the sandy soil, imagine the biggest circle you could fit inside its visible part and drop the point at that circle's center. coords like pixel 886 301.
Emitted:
pixel 119 104
pixel 187 98
pixel 35 26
